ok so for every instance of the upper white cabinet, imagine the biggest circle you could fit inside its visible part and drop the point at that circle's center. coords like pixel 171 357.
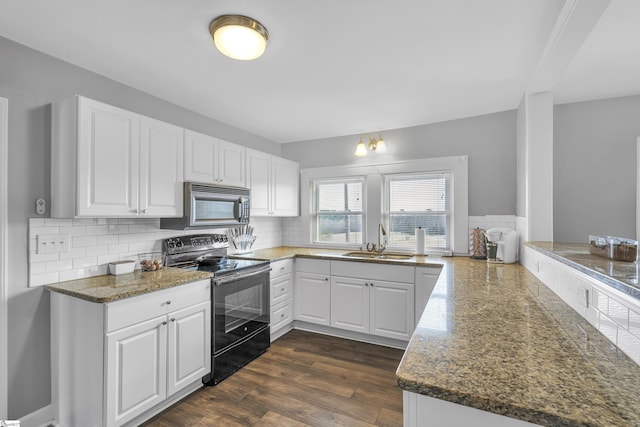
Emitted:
pixel 110 162
pixel 274 183
pixel 212 160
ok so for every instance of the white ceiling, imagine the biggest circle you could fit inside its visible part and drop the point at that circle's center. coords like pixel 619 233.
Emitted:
pixel 332 67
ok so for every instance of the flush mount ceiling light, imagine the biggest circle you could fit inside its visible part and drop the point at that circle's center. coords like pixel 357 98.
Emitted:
pixel 375 144
pixel 239 37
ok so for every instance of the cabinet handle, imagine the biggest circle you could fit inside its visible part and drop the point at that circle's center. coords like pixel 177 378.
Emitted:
pixel 168 302
pixel 326 279
pixel 135 211
pixel 282 289
pixel 371 284
pixel 282 315
pixel 366 284
pixel 144 211
pixel 281 268
pixel 173 319
pixel 164 323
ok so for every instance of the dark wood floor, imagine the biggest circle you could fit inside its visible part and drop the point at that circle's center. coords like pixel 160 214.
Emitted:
pixel 304 379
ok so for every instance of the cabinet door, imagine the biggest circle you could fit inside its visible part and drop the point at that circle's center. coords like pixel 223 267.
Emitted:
pixel 231 166
pixel 136 363
pixel 350 304
pixel 161 168
pixel 392 309
pixel 189 346
pixel 107 160
pixel 200 157
pixel 258 180
pixel 312 298
pixel 285 182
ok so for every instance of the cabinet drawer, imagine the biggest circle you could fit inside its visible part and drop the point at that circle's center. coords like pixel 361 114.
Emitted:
pixel 281 315
pixel 281 288
pixel 128 311
pixel 281 268
pixel 317 266
pixel 374 271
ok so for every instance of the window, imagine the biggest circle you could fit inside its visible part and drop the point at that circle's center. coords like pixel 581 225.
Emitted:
pixel 337 211
pixel 417 200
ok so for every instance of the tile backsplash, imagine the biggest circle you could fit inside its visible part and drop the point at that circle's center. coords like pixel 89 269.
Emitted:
pixel 95 242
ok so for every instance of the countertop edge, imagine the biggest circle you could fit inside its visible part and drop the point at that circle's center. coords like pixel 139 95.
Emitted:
pixel 607 280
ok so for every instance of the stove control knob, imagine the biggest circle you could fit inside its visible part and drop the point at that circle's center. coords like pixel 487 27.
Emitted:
pixel 179 244
pixel 170 244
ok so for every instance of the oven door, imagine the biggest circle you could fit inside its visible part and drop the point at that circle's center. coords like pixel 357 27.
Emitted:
pixel 240 306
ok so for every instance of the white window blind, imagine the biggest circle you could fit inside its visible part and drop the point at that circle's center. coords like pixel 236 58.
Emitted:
pixel 337 212
pixel 417 200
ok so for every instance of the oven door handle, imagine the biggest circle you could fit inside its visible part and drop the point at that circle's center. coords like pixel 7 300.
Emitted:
pixel 239 275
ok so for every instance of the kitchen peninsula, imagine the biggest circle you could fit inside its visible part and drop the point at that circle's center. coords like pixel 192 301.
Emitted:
pixel 495 338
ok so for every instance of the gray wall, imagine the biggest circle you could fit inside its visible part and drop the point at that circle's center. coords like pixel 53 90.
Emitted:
pixel 489 141
pixel 31 81
pixel 594 168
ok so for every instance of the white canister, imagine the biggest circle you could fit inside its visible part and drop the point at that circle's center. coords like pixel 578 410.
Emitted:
pixel 419 241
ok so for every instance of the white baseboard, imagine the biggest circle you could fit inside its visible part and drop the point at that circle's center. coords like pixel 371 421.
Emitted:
pixel 43 417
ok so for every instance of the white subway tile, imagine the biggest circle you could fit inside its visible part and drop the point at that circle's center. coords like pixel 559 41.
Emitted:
pixel 78 230
pixel 118 249
pixel 84 221
pixel 106 259
pixel 36 222
pixel 37 268
pixel 109 239
pixel 127 238
pixel 44 279
pixel 600 301
pixel 78 273
pixel 138 228
pixel 73 253
pixel 140 247
pixel 97 230
pixel 35 231
pixel 97 250
pixel 629 344
pixel 83 241
pixel 127 221
pixel 85 262
pixel 619 313
pixel 58 222
pixel 608 328
pixel 96 270
pixel 161 234
pixel 118 229
pixel 634 323
pixel 53 266
pixel 34 257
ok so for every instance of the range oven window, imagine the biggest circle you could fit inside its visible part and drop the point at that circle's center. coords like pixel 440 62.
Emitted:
pixel 241 307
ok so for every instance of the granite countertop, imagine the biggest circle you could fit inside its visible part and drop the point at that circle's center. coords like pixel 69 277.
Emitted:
pixel 287 252
pixel 108 288
pixel 494 338
pixel 620 275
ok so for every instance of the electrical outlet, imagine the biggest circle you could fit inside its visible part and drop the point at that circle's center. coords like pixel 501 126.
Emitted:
pixel 52 243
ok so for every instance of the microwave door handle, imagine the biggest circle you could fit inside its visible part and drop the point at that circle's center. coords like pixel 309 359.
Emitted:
pixel 238 210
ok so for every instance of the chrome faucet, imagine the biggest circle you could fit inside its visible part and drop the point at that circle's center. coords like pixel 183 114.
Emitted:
pixel 382 241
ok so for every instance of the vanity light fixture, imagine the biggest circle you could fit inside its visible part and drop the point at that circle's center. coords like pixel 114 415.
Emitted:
pixel 239 37
pixel 375 144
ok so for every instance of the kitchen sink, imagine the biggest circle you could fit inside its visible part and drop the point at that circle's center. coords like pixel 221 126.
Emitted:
pixel 375 255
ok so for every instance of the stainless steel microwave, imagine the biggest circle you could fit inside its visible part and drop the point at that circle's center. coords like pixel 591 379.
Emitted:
pixel 211 206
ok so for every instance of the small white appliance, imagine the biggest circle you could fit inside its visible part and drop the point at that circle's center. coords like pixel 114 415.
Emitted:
pixel 507 241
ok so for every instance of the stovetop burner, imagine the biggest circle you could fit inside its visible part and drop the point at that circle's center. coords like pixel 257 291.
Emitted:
pixel 205 252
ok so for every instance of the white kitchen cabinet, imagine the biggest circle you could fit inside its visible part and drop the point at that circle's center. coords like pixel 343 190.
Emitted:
pixel 110 162
pixel 274 184
pixel 281 294
pixel 127 360
pixel 312 291
pixel 363 299
pixel 425 281
pixel 212 160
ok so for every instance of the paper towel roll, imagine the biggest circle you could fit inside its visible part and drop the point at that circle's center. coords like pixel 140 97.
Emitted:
pixel 419 241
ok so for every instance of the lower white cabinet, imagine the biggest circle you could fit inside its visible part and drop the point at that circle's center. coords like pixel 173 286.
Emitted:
pixel 312 294
pixel 281 294
pixel 114 362
pixel 368 305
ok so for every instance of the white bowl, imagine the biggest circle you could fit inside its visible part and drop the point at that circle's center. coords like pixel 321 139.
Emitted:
pixel 121 267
